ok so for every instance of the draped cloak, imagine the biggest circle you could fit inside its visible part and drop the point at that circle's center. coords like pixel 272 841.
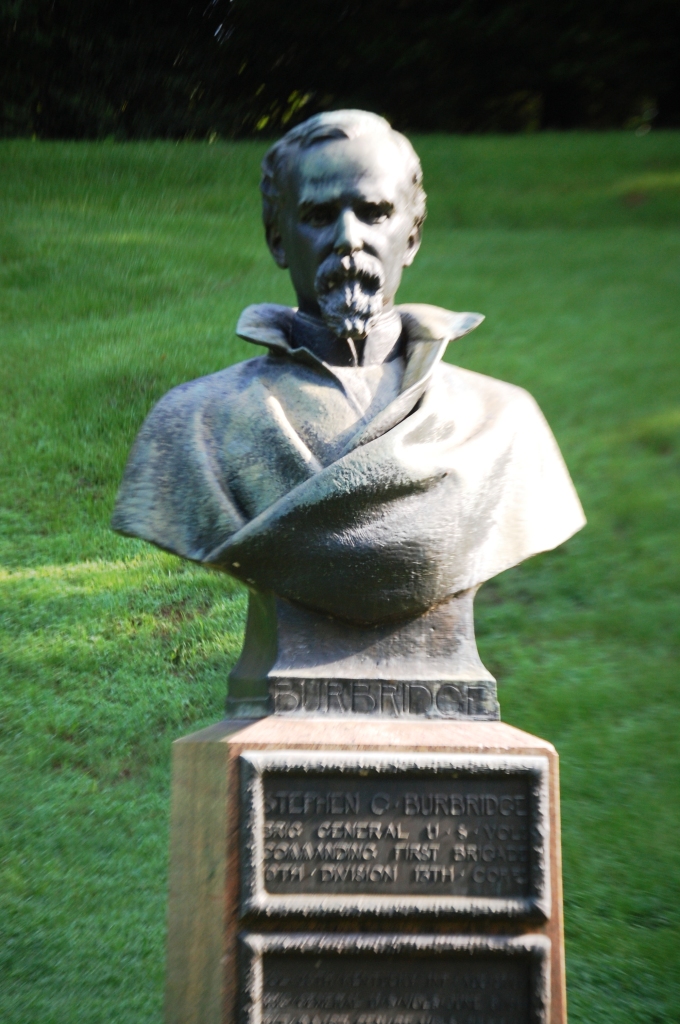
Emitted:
pixel 455 479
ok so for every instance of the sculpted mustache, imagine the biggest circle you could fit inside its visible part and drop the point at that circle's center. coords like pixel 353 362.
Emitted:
pixel 336 271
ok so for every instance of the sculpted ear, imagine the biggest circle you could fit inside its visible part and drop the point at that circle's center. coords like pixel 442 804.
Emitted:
pixel 275 243
pixel 413 244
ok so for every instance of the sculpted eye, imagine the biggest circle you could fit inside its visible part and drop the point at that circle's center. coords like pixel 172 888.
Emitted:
pixel 373 213
pixel 319 216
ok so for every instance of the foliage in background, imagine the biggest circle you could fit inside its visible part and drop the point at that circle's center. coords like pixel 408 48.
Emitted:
pixel 93 68
pixel 122 272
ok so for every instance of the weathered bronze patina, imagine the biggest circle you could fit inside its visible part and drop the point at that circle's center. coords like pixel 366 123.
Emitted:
pixel 359 486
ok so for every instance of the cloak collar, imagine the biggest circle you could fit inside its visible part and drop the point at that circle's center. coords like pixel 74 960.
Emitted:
pixel 428 329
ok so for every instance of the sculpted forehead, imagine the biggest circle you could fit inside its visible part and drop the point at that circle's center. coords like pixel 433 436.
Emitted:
pixel 374 167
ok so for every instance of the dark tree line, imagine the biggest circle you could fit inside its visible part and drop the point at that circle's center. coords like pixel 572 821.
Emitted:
pixel 139 69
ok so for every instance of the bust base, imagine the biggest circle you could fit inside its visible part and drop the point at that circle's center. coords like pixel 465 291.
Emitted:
pixel 299 662
pixel 206 912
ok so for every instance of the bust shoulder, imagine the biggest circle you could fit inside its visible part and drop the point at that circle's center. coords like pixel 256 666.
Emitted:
pixel 221 382
pixel 216 390
pixel 498 393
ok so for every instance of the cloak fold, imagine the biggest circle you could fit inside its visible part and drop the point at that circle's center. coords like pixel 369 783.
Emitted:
pixel 455 480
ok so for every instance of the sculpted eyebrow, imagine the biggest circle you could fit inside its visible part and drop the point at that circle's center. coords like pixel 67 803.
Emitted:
pixel 384 205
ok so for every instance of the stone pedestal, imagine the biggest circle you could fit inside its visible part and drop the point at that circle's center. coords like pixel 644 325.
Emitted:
pixel 333 869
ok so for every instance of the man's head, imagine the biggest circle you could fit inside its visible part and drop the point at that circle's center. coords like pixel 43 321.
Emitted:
pixel 343 208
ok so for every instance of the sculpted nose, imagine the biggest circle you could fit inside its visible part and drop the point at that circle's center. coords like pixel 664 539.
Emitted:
pixel 348 237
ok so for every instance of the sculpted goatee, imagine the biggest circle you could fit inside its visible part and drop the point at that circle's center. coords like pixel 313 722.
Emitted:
pixel 350 293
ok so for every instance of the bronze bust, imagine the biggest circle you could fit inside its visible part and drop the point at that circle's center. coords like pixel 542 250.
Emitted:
pixel 361 488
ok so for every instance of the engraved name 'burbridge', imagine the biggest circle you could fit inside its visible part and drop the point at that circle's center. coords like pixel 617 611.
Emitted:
pixel 430 828
pixel 376 698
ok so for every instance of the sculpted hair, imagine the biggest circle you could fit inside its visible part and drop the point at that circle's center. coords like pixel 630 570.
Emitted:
pixel 335 124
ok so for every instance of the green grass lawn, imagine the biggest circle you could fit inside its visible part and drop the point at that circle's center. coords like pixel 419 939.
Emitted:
pixel 123 269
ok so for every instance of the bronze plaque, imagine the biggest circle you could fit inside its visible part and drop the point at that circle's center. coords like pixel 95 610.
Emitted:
pixel 366 980
pixel 441 830
pixel 462 836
